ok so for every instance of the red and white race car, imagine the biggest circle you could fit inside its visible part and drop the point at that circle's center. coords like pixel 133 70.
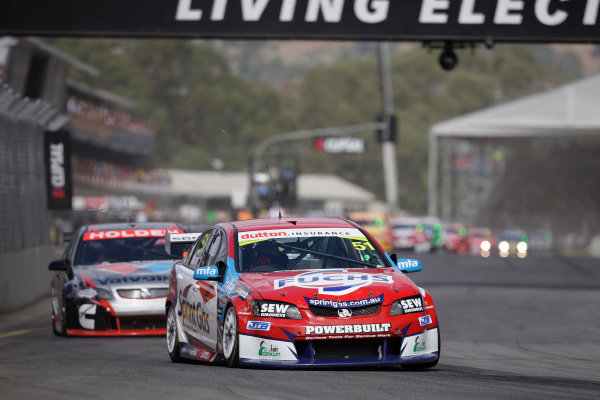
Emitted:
pixel 113 280
pixel 304 292
pixel 409 234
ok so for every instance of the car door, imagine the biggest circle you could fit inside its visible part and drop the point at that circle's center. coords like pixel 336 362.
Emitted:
pixel 61 278
pixel 209 290
pixel 191 306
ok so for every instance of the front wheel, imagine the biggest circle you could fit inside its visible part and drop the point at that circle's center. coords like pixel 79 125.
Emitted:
pixel 231 338
pixel 59 326
pixel 172 335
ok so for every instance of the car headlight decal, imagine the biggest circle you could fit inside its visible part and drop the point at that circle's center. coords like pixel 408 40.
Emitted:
pixel 407 305
pixel 94 293
pixel 275 309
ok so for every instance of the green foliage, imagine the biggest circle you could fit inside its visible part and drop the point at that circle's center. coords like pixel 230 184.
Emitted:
pixel 203 110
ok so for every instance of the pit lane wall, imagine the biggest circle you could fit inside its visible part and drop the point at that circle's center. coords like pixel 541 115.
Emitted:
pixel 25 245
pixel 24 276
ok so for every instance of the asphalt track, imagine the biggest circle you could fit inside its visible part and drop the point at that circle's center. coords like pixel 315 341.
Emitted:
pixel 511 328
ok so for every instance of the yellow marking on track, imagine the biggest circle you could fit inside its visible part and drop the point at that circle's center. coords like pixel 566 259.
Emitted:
pixel 21 332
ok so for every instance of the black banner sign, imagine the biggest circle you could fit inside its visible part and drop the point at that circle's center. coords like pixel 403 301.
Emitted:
pixel 335 145
pixel 57 158
pixel 421 20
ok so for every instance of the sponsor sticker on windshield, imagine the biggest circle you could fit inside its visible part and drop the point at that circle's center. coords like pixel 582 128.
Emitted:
pixel 245 238
pixel 128 233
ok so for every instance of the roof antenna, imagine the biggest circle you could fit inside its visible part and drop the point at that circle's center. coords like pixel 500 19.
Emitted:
pixel 274 187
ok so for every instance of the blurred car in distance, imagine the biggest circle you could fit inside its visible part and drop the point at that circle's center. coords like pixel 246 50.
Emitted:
pixel 432 226
pixel 378 226
pixel 513 242
pixel 455 238
pixel 540 241
pixel 481 241
pixel 409 235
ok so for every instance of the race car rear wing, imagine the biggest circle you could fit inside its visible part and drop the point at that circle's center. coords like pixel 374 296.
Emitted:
pixel 179 238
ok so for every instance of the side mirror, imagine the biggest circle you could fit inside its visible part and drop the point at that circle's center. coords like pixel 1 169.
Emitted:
pixel 59 265
pixel 210 273
pixel 409 265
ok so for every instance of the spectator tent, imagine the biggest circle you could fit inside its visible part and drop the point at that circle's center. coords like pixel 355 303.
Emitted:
pixel 541 151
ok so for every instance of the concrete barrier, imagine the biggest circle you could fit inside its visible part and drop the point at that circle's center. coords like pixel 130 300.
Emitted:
pixel 24 276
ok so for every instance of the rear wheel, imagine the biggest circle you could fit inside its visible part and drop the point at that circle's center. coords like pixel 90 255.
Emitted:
pixel 172 335
pixel 231 338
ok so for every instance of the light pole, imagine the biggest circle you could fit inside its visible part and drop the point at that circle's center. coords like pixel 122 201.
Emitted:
pixel 298 135
pixel 388 144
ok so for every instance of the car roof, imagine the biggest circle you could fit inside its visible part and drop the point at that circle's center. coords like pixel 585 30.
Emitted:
pixel 130 225
pixel 405 220
pixel 367 215
pixel 291 223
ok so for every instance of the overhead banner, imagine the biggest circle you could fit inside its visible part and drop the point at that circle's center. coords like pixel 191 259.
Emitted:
pixel 420 20
pixel 57 158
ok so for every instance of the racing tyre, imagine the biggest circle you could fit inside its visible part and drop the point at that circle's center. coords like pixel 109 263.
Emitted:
pixel 231 341
pixel 172 335
pixel 62 331
pixel 63 326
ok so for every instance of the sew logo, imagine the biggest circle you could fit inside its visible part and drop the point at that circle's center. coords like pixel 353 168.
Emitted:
pixel 336 282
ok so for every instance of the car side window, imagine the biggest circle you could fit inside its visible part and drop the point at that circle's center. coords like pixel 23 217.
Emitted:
pixel 190 253
pixel 70 248
pixel 216 251
pixel 199 249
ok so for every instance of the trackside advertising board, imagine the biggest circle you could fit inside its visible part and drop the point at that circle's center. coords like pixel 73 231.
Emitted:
pixel 57 160
pixel 419 20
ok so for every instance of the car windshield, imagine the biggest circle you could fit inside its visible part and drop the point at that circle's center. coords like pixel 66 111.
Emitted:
pixel 92 252
pixel 512 235
pixel 480 233
pixel 405 226
pixel 302 249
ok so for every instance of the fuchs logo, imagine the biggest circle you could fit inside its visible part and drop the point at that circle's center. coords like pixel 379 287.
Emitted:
pixel 336 282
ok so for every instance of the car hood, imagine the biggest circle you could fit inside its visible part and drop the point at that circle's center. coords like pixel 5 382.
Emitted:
pixel 125 274
pixel 336 285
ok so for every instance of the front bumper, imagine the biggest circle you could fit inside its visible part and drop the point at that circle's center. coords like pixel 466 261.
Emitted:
pixel 139 317
pixel 334 342
pixel 339 352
